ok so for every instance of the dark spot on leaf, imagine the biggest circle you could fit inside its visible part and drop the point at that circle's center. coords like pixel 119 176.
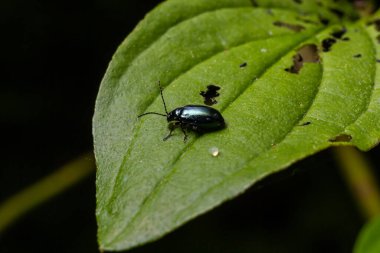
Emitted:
pixel 324 21
pixel 378 60
pixel 210 94
pixel 296 28
pixel 339 34
pixel 307 21
pixel 337 12
pixel 243 65
pixel 298 1
pixel 307 53
pixel 297 64
pixel 362 5
pixel 327 44
pixel 346 39
pixel 305 123
pixel 254 3
pixel 376 22
pixel 378 38
pixel 357 55
pixel 341 138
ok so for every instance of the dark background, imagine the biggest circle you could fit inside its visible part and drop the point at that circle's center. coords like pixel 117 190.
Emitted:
pixel 53 56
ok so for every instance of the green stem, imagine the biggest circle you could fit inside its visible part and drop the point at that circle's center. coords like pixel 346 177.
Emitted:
pixel 46 188
pixel 359 177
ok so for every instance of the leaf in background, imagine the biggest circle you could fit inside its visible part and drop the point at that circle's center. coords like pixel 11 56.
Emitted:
pixel 287 101
pixel 368 240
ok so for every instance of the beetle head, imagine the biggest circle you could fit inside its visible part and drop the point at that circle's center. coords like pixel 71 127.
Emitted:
pixel 173 115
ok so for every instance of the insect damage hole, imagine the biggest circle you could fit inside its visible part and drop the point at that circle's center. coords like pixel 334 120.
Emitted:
pixel 339 33
pixel 243 65
pixel 210 94
pixel 376 23
pixel 305 123
pixel 323 20
pixel 337 12
pixel 307 53
pixel 327 44
pixel 296 28
pixel 341 138
pixel 335 37
pixel 307 21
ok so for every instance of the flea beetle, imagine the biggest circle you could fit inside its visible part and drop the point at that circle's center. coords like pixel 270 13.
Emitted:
pixel 198 118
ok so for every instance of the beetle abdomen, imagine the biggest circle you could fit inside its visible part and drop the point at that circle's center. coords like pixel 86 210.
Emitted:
pixel 201 118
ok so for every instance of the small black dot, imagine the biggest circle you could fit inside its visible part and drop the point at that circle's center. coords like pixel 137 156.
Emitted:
pixel 243 65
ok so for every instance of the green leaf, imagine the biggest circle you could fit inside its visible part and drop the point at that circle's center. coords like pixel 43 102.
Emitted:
pixel 147 187
pixel 368 240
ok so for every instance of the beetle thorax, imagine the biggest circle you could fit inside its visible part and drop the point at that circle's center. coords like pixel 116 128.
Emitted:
pixel 174 115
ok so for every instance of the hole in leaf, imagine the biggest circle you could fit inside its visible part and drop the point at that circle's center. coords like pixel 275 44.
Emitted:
pixel 296 28
pixel 323 20
pixel 341 138
pixel 378 38
pixel 210 94
pixel 337 12
pixel 307 53
pixel 305 123
pixel 339 34
pixel 375 22
pixel 254 3
pixel 327 44
pixel 307 21
pixel 243 65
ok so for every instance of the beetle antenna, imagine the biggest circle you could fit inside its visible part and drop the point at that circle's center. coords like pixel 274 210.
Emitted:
pixel 162 96
pixel 151 113
pixel 163 100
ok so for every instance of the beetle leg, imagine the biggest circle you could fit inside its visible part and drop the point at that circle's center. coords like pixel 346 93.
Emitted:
pixel 168 136
pixel 172 126
pixel 184 132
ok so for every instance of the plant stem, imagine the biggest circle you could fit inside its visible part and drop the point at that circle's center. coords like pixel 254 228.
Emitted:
pixel 359 177
pixel 44 189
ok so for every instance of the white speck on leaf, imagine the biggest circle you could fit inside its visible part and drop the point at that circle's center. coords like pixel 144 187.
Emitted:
pixel 214 151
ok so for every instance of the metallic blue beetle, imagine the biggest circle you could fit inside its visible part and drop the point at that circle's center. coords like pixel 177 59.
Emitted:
pixel 198 118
